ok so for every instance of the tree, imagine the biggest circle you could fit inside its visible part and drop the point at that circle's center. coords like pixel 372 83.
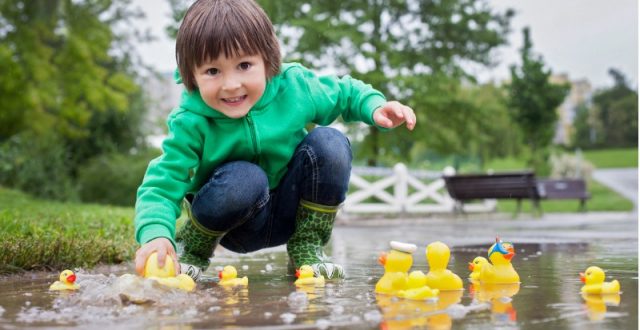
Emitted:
pixel 412 51
pixel 534 100
pixel 618 113
pixel 68 79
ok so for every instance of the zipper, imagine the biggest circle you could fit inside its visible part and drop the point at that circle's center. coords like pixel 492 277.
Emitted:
pixel 254 138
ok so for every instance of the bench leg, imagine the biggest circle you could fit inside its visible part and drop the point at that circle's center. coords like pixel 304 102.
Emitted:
pixel 537 206
pixel 583 205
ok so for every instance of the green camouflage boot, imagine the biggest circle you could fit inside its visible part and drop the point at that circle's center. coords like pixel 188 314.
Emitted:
pixel 195 245
pixel 314 223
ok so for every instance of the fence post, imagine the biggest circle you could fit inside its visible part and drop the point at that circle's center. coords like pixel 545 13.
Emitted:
pixel 401 186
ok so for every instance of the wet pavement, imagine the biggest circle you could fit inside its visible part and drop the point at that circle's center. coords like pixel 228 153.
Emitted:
pixel 550 252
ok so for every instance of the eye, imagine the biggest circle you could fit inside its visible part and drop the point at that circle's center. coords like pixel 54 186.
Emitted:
pixel 212 71
pixel 244 66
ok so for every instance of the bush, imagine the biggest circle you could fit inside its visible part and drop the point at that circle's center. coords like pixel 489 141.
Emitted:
pixel 37 165
pixel 570 167
pixel 113 178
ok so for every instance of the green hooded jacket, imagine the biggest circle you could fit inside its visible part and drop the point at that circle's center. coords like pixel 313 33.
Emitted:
pixel 200 139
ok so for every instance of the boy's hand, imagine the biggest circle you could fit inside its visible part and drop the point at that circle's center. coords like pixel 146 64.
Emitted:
pixel 161 245
pixel 392 114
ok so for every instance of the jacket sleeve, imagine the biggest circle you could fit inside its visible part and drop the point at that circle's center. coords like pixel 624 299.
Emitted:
pixel 333 96
pixel 166 182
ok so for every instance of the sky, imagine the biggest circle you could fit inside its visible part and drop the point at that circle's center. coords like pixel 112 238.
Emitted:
pixel 581 38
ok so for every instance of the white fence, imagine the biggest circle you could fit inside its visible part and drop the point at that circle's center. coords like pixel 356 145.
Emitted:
pixel 399 190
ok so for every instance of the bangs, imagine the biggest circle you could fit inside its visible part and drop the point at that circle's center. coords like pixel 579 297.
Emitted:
pixel 231 34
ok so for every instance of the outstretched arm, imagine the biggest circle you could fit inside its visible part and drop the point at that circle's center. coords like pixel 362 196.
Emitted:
pixel 393 114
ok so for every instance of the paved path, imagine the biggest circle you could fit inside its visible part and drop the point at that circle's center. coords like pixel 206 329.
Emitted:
pixel 622 180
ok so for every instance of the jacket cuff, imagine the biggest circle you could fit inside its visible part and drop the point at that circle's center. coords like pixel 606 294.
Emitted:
pixel 153 231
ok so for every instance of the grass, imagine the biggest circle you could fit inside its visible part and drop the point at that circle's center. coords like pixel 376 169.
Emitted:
pixel 602 199
pixel 612 158
pixel 46 235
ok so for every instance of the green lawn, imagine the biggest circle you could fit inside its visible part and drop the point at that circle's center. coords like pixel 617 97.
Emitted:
pixel 612 158
pixel 40 234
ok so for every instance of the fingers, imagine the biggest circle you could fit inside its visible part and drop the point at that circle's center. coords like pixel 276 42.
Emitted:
pixel 162 255
pixel 141 259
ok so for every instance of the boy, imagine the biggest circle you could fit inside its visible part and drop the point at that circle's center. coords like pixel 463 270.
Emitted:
pixel 238 153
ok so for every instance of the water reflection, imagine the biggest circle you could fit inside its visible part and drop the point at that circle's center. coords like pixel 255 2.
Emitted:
pixel 548 298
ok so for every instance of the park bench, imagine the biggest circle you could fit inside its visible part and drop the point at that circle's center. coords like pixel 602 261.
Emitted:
pixel 564 189
pixel 507 185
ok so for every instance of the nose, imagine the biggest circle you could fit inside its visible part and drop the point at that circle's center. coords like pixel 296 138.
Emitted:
pixel 231 82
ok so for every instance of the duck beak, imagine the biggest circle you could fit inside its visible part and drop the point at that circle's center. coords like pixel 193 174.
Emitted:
pixel 71 278
pixel 382 259
pixel 220 274
pixel 297 273
pixel 509 255
pixel 583 279
pixel 471 266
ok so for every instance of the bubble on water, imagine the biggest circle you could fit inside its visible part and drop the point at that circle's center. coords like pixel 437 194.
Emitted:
pixel 191 312
pixel 457 311
pixel 2 310
pixel 539 253
pixel 268 267
pixel 323 324
pixel 525 259
pixel 28 294
pixel 262 271
pixel 235 312
pixel 337 309
pixel 373 316
pixel 267 315
pixel 288 318
pixel 27 303
pixel 359 297
pixel 356 319
pixel 245 267
pixel 297 299
pixel 166 312
pixel 214 309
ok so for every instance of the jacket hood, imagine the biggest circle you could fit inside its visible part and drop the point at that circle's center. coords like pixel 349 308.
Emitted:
pixel 192 101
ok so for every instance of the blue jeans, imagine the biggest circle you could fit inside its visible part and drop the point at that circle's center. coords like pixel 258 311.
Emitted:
pixel 237 199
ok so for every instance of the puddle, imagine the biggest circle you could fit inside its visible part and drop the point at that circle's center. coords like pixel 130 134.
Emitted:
pixel 548 297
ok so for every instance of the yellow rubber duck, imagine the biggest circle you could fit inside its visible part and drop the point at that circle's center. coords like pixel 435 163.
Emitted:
pixel 396 265
pixel 439 277
pixel 167 274
pixel 67 282
pixel 305 277
pixel 417 288
pixel 593 279
pixel 228 277
pixel 500 270
pixel 476 267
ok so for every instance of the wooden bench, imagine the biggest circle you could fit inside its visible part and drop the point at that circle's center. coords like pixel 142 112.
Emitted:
pixel 508 185
pixel 564 189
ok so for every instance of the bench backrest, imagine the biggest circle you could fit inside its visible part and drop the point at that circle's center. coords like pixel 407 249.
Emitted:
pixel 563 188
pixel 515 185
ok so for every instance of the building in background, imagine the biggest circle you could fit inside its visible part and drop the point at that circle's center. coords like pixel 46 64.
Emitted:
pixel 579 95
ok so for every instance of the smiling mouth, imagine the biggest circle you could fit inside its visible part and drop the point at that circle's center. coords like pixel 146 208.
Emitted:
pixel 234 99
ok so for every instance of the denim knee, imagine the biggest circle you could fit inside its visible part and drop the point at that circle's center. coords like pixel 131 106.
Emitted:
pixel 235 191
pixel 330 151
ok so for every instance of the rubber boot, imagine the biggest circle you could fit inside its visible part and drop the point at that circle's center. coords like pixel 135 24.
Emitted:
pixel 314 223
pixel 195 245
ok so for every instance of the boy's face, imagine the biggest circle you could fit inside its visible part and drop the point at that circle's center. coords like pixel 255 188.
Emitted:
pixel 232 85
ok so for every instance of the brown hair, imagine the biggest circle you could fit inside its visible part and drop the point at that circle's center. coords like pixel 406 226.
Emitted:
pixel 211 27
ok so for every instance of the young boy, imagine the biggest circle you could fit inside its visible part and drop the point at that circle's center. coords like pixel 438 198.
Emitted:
pixel 237 151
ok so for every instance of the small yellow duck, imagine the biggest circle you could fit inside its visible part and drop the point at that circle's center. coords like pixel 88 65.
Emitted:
pixel 305 277
pixel 500 270
pixel 67 282
pixel 476 267
pixel 417 288
pixel 396 265
pixel 228 277
pixel 439 277
pixel 167 274
pixel 593 279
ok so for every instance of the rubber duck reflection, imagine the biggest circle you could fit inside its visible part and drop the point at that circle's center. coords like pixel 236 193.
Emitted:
pixel 410 314
pixel 500 298
pixel 596 304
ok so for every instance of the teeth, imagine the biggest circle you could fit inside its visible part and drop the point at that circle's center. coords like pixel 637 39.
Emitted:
pixel 234 99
